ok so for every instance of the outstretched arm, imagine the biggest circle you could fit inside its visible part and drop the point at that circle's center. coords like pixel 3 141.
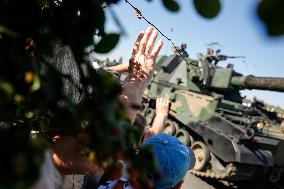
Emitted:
pixel 141 69
pixel 121 68
pixel 162 111
pixel 67 155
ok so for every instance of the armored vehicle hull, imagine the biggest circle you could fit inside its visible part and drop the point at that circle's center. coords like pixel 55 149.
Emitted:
pixel 231 141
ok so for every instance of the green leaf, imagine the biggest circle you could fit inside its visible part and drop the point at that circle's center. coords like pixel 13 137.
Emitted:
pixel 36 83
pixel 208 8
pixel 107 43
pixel 7 31
pixel 7 87
pixel 271 13
pixel 171 5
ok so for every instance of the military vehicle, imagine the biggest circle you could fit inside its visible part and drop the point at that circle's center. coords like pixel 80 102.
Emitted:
pixel 231 141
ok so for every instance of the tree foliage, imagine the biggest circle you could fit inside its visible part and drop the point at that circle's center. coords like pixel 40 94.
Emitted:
pixel 272 15
pixel 46 84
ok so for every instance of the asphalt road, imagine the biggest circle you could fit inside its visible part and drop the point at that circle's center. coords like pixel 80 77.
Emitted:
pixel 193 182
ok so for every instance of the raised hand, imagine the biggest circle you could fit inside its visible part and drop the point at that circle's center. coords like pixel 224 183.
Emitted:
pixel 141 69
pixel 143 58
pixel 162 106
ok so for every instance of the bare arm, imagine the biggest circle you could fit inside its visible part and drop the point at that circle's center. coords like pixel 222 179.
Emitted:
pixel 141 69
pixel 162 111
pixel 121 68
pixel 67 155
pixel 68 159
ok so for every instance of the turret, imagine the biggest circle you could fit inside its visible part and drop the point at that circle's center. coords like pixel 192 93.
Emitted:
pixel 202 75
pixel 226 78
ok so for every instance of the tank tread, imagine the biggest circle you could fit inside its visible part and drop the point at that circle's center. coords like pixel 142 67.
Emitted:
pixel 209 173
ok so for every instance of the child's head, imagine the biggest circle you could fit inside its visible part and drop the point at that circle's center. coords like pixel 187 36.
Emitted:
pixel 173 159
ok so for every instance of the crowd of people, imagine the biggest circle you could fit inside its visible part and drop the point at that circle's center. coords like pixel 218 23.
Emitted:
pixel 64 167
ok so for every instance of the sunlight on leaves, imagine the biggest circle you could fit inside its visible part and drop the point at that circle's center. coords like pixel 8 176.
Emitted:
pixel 6 87
pixel 7 31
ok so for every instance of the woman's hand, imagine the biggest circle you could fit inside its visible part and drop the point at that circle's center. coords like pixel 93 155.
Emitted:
pixel 141 69
pixel 143 58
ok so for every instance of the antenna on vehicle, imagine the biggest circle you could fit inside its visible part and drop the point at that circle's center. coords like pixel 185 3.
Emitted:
pixel 171 33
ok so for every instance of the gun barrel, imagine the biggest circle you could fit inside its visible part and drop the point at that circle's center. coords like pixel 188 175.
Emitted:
pixel 235 56
pixel 262 83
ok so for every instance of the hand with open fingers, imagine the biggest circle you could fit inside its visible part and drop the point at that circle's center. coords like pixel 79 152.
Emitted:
pixel 162 111
pixel 141 69
pixel 162 106
pixel 144 54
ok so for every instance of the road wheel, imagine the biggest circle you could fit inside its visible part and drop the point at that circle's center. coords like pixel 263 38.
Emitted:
pixel 185 137
pixel 202 155
pixel 170 128
pixel 275 174
pixel 282 127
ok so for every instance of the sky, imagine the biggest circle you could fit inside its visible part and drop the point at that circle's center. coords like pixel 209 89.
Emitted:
pixel 237 29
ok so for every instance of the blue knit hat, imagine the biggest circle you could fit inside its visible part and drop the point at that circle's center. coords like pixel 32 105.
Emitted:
pixel 174 159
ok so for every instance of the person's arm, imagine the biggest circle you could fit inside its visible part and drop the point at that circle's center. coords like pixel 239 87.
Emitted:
pixel 162 111
pixel 67 155
pixel 68 159
pixel 121 68
pixel 141 69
